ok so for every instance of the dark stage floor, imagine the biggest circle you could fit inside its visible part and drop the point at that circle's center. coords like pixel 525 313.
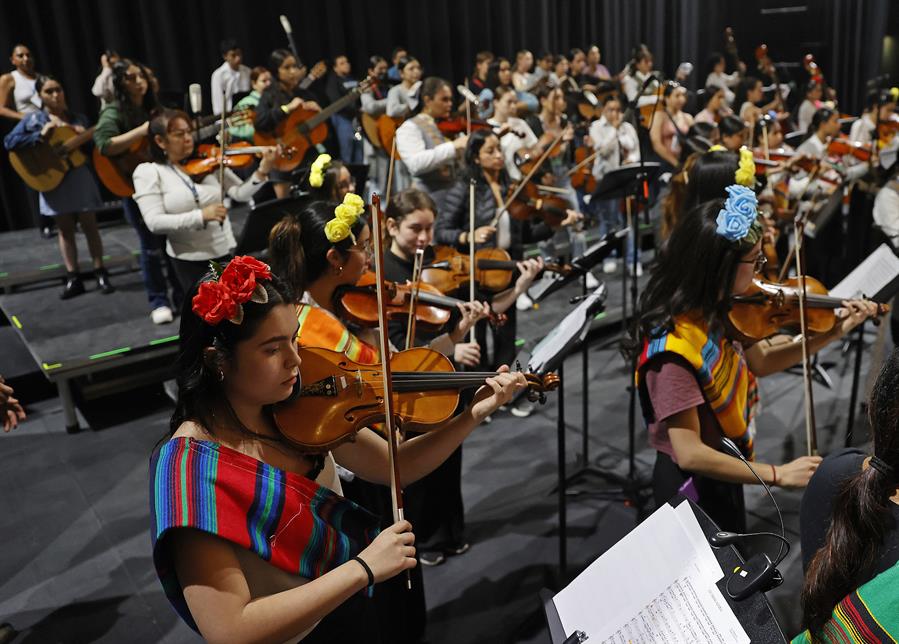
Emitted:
pixel 76 563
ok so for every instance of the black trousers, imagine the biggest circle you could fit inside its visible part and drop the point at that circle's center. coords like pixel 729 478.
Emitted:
pixel 722 501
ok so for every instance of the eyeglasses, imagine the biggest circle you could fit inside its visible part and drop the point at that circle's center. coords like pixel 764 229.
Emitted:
pixel 757 264
pixel 365 248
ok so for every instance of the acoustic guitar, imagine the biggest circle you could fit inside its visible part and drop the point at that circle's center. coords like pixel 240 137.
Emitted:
pixel 115 172
pixel 303 129
pixel 381 131
pixel 44 165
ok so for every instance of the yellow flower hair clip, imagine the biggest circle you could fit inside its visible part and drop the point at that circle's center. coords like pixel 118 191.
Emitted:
pixel 345 216
pixel 317 171
pixel 717 148
pixel 745 174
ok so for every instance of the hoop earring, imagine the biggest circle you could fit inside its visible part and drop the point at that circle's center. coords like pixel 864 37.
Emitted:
pixel 221 375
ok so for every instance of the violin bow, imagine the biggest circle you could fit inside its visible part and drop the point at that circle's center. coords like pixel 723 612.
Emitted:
pixel 810 431
pixel 413 297
pixel 528 176
pixel 396 489
pixel 471 252
pixel 222 152
pixel 390 169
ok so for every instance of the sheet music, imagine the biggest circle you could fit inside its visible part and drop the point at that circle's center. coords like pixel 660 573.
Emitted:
pixel 870 277
pixel 655 585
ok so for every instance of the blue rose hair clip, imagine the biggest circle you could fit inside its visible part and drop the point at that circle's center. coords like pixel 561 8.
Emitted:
pixel 738 220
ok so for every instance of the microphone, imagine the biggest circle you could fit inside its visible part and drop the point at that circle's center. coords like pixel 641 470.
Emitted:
pixel 285 24
pixel 759 573
pixel 468 94
pixel 195 93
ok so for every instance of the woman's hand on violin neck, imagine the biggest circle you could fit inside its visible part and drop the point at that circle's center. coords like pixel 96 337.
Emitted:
pixel 467 354
pixel 269 154
pixel 528 270
pixel 497 391
pixel 391 552
pixel 571 217
pixel 460 142
pixel 854 313
pixel 471 313
pixel 214 212
pixel 796 474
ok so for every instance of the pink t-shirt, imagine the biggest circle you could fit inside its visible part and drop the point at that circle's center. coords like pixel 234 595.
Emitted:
pixel 671 386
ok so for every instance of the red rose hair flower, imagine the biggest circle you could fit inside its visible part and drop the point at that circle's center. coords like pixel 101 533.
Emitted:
pixel 237 284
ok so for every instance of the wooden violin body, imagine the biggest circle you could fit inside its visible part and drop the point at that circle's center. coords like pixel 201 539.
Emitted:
pixel 338 396
pixel 359 305
pixel 449 270
pixel 208 157
pixel 583 179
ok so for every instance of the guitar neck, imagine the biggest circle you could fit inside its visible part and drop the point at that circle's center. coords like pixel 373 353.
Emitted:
pixel 320 117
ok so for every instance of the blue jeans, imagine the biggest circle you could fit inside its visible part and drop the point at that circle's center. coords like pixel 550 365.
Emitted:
pixel 611 218
pixel 152 255
pixel 350 148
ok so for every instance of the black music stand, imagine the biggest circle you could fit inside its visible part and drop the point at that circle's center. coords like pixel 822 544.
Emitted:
pixel 549 355
pixel 754 613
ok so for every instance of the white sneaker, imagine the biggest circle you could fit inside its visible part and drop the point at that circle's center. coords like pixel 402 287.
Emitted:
pixel 523 303
pixel 524 408
pixel 609 265
pixel 630 269
pixel 592 282
pixel 161 315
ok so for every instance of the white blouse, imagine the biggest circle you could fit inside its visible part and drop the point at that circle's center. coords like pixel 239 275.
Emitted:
pixel 170 207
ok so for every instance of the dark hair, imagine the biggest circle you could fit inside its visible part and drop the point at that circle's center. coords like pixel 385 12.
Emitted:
pixel 702 178
pixel 731 125
pixel 227 45
pixel 472 168
pixel 330 178
pixel 432 85
pixel 492 81
pixel 810 86
pixel 822 115
pixel 159 126
pixel 574 51
pixel 502 90
pixel 338 57
pixel 862 512
pixel 119 69
pixel 374 60
pixel 714 58
pixel 397 50
pixel 405 60
pixel 544 89
pixel 298 248
pixel 709 93
pixel 408 201
pixel 764 124
pixel 741 95
pixel 878 98
pixel 16 46
pixel 695 273
pixel 256 72
pixel 480 57
pixel 200 394
pixel 276 59
pixel 43 79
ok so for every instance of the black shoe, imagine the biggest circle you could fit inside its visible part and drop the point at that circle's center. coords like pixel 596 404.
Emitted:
pixel 431 558
pixel 74 286
pixel 458 549
pixel 7 633
pixel 46 232
pixel 103 281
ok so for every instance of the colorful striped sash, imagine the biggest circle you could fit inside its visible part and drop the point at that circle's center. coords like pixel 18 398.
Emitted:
pixel 727 384
pixel 319 328
pixel 869 614
pixel 288 520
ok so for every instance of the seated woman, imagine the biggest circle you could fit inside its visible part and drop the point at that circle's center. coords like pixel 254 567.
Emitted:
pixel 172 203
pixel 850 544
pixel 266 548
pixel 76 196
pixel 696 382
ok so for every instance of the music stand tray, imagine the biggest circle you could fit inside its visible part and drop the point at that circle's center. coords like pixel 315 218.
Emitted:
pixel 623 181
pixel 262 218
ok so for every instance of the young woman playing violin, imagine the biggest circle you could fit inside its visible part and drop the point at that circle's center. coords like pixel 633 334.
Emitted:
pixel 278 100
pixel 322 257
pixel 276 554
pixel 189 212
pixel 689 365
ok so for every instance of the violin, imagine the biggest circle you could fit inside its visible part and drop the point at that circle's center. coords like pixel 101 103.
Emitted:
pixel 530 204
pixel 839 147
pixel 767 307
pixel 432 308
pixel 453 126
pixel 346 396
pixel 582 174
pixel 208 157
pixel 493 269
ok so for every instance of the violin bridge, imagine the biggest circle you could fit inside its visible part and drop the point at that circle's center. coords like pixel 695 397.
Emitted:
pixel 325 387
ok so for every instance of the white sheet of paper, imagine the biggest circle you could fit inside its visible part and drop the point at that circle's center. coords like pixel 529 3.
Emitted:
pixel 644 579
pixel 879 269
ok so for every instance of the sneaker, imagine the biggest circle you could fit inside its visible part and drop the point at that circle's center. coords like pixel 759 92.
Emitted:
pixel 103 282
pixel 458 549
pixel 523 303
pixel 431 558
pixel 161 315
pixel 487 420
pixel 630 269
pixel 74 286
pixel 523 409
pixel 592 282
pixel 609 266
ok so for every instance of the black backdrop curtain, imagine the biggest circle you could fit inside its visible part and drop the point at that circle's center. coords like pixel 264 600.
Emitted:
pixel 179 39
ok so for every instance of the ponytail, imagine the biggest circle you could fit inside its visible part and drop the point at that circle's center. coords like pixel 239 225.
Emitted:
pixel 862 514
pixel 285 252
